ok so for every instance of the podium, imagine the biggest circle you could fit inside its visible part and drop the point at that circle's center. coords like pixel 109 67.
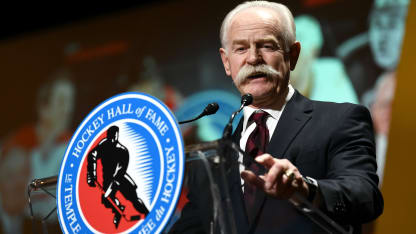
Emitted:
pixel 215 159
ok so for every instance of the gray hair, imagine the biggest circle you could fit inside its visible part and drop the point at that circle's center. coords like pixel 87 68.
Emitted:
pixel 288 33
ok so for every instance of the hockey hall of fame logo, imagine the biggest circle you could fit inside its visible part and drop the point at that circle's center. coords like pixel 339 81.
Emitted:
pixel 123 169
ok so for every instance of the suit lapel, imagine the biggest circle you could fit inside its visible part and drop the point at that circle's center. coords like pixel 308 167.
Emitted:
pixel 295 115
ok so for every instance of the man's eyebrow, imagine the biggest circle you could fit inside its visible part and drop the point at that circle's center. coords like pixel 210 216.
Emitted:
pixel 260 40
pixel 239 41
pixel 267 39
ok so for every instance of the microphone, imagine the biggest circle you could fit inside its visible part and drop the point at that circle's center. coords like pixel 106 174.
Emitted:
pixel 246 100
pixel 209 110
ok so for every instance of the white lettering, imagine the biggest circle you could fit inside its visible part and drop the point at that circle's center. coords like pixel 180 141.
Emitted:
pixel 157 121
pixel 110 113
pixel 148 227
pixel 85 136
pixel 170 176
pixel 69 211
pixel 159 213
pixel 139 111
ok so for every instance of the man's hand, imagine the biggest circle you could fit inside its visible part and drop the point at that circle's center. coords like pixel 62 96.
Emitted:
pixel 281 180
pixel 91 180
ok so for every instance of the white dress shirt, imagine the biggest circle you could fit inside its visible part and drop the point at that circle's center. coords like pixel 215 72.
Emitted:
pixel 271 122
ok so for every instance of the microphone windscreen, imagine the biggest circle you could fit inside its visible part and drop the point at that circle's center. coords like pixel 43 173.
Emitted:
pixel 246 99
pixel 211 108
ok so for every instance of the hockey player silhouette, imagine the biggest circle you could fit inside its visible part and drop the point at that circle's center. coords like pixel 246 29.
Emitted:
pixel 115 160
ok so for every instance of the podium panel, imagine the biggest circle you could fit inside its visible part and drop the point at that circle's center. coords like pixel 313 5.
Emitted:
pixel 215 185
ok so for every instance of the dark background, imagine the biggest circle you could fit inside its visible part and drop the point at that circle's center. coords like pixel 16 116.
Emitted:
pixel 181 35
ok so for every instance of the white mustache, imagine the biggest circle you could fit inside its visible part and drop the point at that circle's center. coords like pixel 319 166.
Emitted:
pixel 249 70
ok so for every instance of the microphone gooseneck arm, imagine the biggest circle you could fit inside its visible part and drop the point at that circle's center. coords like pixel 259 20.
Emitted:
pixel 224 146
pixel 246 100
pixel 210 109
pixel 43 182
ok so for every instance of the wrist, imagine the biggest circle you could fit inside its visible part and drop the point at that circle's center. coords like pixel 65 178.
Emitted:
pixel 312 187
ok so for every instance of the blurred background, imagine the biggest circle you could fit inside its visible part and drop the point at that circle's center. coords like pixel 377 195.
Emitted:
pixel 58 62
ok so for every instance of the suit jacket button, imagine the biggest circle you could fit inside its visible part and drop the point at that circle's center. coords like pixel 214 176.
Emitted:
pixel 339 208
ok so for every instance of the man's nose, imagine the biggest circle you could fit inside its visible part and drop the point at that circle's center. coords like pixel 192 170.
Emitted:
pixel 254 56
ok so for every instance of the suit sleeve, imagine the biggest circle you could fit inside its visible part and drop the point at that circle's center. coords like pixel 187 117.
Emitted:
pixel 350 191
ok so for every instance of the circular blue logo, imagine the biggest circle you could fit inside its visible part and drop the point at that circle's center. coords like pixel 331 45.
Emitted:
pixel 123 168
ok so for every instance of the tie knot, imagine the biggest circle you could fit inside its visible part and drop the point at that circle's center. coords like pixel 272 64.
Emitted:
pixel 259 117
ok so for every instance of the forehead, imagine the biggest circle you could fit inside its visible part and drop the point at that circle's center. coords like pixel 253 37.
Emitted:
pixel 255 19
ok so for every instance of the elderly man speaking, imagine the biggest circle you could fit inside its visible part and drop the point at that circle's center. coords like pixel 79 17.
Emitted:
pixel 323 151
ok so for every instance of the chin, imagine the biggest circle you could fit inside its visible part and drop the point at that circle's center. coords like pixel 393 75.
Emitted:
pixel 259 90
pixel 256 89
pixel 257 95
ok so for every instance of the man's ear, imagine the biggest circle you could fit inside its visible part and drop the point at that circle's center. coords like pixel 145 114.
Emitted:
pixel 294 54
pixel 225 61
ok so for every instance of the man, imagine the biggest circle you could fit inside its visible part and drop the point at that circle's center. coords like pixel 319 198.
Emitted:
pixel 115 160
pixel 324 151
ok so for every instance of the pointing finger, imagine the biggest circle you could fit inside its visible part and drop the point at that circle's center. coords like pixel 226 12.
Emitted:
pixel 266 160
pixel 250 177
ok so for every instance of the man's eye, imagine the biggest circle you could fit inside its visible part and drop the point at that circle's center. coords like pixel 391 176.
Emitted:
pixel 269 47
pixel 240 49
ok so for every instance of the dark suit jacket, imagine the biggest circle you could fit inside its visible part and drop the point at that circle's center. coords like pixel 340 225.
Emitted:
pixel 332 143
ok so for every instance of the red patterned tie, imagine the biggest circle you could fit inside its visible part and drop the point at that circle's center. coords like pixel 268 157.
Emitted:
pixel 256 145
